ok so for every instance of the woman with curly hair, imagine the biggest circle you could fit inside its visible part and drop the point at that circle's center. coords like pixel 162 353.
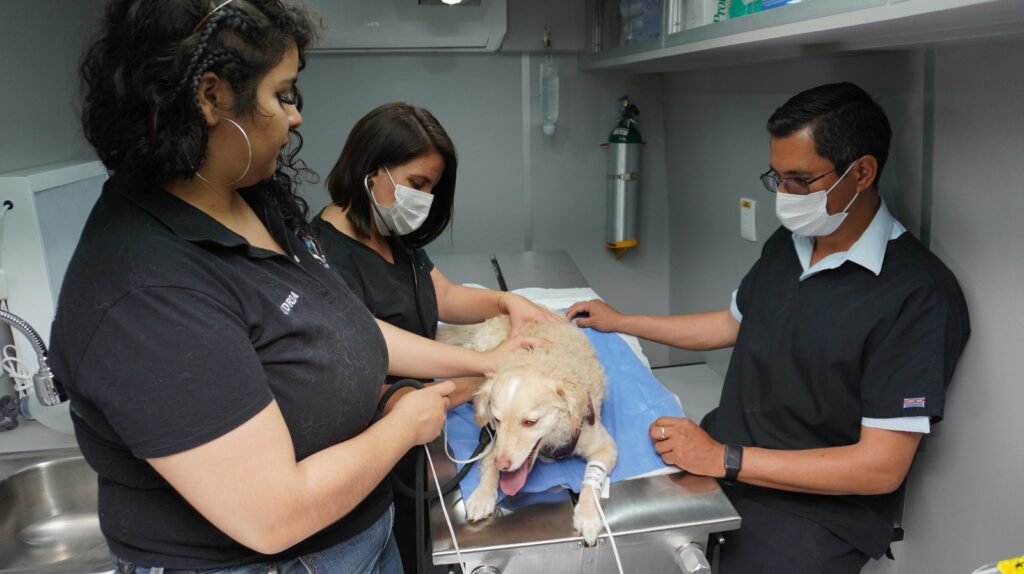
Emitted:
pixel 223 379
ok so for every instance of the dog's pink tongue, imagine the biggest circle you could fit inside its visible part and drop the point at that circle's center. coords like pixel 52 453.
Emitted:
pixel 512 482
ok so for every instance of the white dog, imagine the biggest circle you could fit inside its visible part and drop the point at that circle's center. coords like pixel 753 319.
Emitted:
pixel 545 403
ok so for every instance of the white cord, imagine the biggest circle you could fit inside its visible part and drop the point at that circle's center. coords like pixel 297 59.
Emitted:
pixel 447 519
pixel 5 208
pixel 604 521
pixel 596 477
pixel 451 529
pixel 15 368
pixel 482 454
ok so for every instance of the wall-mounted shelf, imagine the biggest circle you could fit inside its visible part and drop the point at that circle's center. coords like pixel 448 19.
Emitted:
pixel 814 27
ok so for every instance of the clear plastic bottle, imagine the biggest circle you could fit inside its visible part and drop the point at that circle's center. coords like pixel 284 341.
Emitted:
pixel 549 94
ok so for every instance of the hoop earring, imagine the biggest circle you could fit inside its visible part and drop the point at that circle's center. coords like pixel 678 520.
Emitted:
pixel 248 164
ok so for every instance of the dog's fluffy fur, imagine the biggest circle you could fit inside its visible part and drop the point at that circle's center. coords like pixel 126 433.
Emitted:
pixel 537 400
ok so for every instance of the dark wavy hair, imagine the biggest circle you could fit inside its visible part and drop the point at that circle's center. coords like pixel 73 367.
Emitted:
pixel 390 135
pixel 140 76
pixel 845 121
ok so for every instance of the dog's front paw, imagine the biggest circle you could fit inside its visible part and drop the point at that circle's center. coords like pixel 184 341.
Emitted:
pixel 480 504
pixel 587 521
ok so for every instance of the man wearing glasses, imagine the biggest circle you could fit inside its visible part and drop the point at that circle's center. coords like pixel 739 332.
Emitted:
pixel 846 332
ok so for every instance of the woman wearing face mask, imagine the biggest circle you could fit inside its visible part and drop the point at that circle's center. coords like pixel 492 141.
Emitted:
pixel 392 192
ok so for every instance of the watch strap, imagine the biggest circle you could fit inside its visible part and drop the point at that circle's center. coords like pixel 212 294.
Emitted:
pixel 733 462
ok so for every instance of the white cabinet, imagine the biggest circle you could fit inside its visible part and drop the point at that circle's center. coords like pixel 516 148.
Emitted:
pixel 807 27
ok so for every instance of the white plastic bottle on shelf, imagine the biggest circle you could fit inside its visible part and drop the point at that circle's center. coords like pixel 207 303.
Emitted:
pixel 549 94
pixel 704 12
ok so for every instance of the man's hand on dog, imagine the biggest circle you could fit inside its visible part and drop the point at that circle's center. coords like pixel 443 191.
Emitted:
pixel 682 443
pixel 595 314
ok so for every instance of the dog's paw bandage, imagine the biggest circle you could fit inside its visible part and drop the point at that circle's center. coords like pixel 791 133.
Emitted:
pixel 596 476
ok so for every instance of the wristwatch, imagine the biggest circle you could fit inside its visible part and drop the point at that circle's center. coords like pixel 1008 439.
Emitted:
pixel 733 462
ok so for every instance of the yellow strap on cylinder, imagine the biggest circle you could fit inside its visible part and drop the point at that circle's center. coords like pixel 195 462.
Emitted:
pixel 619 248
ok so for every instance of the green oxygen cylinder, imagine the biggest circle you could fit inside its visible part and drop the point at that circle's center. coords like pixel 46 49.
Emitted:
pixel 623 195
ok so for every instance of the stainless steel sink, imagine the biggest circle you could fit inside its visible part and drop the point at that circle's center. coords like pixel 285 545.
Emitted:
pixel 48 519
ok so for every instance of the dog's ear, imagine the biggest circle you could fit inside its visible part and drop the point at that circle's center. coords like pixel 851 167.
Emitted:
pixel 574 400
pixel 482 401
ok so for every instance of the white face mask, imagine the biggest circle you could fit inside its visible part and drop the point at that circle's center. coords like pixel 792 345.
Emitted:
pixel 808 215
pixel 406 214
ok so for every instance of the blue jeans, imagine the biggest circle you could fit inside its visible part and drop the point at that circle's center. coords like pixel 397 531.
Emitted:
pixel 372 551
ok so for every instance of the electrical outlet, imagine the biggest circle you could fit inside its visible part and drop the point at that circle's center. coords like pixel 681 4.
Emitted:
pixel 748 219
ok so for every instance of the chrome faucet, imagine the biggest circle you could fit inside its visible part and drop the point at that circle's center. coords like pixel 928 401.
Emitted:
pixel 49 391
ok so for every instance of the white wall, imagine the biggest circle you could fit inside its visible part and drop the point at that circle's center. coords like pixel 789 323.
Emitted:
pixel 41 43
pixel 569 184
pixel 475 97
pixel 718 145
pixel 964 502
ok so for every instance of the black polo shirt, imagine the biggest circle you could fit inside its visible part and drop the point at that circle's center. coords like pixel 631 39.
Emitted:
pixel 387 289
pixel 171 330
pixel 814 357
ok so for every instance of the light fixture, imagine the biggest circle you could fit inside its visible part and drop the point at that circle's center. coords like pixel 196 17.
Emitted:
pixel 449 2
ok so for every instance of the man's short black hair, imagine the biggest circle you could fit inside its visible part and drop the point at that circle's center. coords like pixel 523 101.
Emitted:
pixel 845 122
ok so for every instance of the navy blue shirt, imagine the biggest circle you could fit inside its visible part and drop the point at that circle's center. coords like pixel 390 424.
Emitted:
pixel 171 331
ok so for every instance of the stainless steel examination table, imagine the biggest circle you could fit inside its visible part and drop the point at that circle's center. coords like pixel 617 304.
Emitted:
pixel 660 524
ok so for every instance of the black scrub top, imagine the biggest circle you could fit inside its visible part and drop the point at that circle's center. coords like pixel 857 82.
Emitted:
pixel 814 357
pixel 387 289
pixel 171 331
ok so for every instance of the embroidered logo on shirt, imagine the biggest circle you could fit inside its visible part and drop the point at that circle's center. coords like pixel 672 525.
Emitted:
pixel 913 403
pixel 293 298
pixel 314 249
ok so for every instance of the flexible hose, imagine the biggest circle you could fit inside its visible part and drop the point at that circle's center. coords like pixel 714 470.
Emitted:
pixel 49 391
pixel 25 329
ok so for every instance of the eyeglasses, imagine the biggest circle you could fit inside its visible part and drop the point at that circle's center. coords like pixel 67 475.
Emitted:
pixel 774 182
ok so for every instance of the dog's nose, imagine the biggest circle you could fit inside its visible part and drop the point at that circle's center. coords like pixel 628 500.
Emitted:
pixel 503 463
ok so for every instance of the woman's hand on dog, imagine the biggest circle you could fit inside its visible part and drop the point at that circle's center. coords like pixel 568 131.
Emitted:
pixel 497 355
pixel 424 411
pixel 595 314
pixel 681 442
pixel 521 311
